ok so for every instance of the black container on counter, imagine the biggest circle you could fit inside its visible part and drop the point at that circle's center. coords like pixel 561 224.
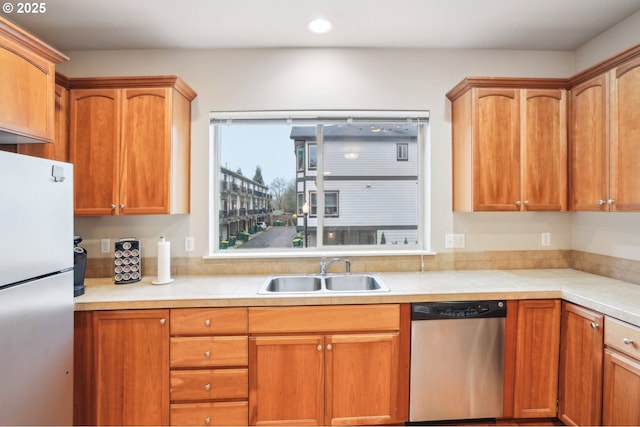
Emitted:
pixel 79 266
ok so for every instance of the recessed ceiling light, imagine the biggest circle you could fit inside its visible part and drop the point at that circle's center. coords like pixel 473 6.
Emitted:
pixel 320 26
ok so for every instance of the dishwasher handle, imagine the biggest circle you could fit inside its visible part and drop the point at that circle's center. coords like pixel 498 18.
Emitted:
pixel 458 310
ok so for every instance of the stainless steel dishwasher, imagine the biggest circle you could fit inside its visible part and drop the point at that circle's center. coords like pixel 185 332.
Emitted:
pixel 457 360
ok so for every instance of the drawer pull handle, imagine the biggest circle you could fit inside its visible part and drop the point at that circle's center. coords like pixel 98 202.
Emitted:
pixel 207 387
pixel 207 354
pixel 207 420
pixel 627 341
pixel 207 322
pixel 594 325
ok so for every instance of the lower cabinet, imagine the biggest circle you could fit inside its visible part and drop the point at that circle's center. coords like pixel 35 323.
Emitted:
pixel 580 386
pixel 535 380
pixel 209 367
pixel 322 375
pixel 121 365
pixel 621 374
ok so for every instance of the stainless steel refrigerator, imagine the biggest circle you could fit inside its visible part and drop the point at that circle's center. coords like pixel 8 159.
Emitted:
pixel 36 291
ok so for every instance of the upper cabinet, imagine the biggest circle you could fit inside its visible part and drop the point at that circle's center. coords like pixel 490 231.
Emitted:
pixel 605 129
pixel 509 145
pixel 130 145
pixel 27 86
pixel 59 148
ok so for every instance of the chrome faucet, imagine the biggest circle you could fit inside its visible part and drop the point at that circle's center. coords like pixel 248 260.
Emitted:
pixel 324 265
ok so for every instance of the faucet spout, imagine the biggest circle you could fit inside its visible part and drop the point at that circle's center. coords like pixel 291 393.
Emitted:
pixel 324 264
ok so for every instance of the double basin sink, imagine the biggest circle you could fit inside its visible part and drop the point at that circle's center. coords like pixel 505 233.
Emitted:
pixel 322 284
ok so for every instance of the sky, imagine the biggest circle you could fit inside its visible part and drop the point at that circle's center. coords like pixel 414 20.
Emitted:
pixel 269 146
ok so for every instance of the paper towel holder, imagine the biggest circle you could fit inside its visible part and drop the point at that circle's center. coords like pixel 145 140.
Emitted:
pixel 164 263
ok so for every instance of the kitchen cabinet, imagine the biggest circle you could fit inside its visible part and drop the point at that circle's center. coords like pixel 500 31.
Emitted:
pixel 121 367
pixel 604 135
pixel 59 148
pixel 209 366
pixel 581 352
pixel 130 144
pixel 314 365
pixel 509 145
pixel 590 145
pixel 27 91
pixel 621 392
pixel 536 359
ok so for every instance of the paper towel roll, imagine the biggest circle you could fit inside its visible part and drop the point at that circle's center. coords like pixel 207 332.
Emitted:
pixel 164 262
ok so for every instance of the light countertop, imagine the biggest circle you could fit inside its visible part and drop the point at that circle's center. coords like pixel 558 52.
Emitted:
pixel 608 296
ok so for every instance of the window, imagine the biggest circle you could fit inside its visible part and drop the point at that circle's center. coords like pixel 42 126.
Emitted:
pixel 280 166
pixel 330 203
pixel 402 152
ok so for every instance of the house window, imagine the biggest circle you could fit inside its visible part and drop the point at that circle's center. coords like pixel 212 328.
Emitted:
pixel 280 166
pixel 313 156
pixel 330 203
pixel 402 152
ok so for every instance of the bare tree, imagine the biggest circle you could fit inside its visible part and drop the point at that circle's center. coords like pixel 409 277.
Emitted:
pixel 281 190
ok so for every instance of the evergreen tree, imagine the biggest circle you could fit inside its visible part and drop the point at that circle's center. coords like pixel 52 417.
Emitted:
pixel 257 176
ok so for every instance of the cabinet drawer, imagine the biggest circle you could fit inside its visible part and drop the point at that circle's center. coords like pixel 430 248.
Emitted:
pixel 622 336
pixel 200 352
pixel 210 414
pixel 209 321
pixel 353 318
pixel 210 384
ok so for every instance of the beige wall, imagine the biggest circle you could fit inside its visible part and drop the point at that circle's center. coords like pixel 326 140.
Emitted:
pixel 290 79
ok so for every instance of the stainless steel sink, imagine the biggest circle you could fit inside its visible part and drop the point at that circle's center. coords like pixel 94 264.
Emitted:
pixel 353 283
pixel 322 284
pixel 283 284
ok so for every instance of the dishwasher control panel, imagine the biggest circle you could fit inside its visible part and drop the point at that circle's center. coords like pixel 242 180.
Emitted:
pixel 458 310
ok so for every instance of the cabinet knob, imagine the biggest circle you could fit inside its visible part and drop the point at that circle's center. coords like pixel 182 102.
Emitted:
pixel 601 202
pixel 526 202
pixel 329 347
pixel 610 201
pixel 207 322
pixel 207 353
pixel 319 347
pixel 627 341
pixel 121 206
pixel 112 206
pixel 207 387
pixel 518 202
pixel 594 325
pixel 207 420
pixel 163 321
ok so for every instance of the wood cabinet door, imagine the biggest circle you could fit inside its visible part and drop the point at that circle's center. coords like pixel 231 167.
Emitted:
pixel 621 390
pixel 580 387
pixel 132 367
pixel 625 135
pixel 59 148
pixel 286 381
pixel 146 151
pixel 543 145
pixel 362 379
pixel 496 150
pixel 590 145
pixel 94 135
pixel 28 91
pixel 537 352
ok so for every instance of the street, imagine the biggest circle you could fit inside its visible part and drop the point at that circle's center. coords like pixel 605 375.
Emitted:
pixel 272 237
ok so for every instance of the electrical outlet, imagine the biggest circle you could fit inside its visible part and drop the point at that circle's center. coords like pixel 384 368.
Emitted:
pixel 454 241
pixel 189 244
pixel 545 239
pixel 105 246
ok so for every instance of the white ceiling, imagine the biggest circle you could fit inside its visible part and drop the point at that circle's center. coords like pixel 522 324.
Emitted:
pixel 488 24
